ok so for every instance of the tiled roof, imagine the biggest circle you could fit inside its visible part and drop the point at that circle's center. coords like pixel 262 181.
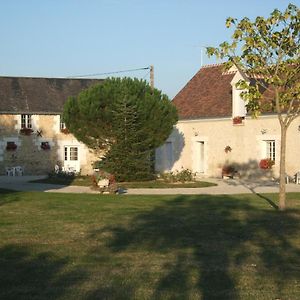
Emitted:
pixel 39 95
pixel 207 94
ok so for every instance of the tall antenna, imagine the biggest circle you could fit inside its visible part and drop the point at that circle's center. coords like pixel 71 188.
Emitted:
pixel 201 53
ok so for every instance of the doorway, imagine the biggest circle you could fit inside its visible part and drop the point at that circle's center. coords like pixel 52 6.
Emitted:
pixel 71 159
pixel 200 156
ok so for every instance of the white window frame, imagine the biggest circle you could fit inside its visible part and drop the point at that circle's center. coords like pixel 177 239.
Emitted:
pixel 26 121
pixel 70 154
pixel 270 149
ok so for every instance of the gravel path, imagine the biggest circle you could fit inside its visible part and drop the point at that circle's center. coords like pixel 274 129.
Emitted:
pixel 228 186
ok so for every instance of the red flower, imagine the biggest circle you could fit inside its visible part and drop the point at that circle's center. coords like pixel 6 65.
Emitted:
pixel 237 120
pixel 266 163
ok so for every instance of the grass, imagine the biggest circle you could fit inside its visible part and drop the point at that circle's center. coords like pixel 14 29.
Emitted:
pixel 86 181
pixel 66 180
pixel 63 246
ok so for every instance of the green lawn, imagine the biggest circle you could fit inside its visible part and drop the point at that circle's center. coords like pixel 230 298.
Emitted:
pixel 86 181
pixel 72 246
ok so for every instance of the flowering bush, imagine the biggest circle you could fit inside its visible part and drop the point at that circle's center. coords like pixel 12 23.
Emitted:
pixel 102 175
pixel 26 131
pixel 184 175
pixel 266 163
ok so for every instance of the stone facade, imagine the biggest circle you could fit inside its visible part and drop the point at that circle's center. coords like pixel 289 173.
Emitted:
pixel 30 154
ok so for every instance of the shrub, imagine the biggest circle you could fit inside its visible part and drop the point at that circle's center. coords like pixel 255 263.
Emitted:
pixel 185 175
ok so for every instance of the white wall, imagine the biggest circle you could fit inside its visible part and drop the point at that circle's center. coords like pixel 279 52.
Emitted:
pixel 245 140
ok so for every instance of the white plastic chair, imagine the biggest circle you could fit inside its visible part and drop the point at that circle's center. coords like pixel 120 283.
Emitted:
pixel 10 171
pixel 297 181
pixel 56 169
pixel 19 171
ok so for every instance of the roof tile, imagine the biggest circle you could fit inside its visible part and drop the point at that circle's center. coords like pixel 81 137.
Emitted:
pixel 207 94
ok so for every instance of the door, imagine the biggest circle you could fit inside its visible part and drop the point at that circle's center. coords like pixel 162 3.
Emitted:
pixel 71 159
pixel 200 156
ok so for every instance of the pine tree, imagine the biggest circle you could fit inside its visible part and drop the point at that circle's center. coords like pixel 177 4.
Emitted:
pixel 128 119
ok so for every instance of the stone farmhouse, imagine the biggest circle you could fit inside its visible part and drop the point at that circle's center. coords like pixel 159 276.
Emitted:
pixel 32 134
pixel 214 130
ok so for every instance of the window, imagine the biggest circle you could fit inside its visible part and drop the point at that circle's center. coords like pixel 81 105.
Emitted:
pixel 62 124
pixel 26 121
pixel 270 149
pixel 71 153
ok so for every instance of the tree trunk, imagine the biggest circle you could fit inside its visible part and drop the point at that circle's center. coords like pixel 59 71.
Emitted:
pixel 282 195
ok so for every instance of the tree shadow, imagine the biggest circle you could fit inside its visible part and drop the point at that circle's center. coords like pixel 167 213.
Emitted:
pixel 8 196
pixel 252 178
pixel 213 241
pixel 163 161
pixel 27 274
pixel 251 172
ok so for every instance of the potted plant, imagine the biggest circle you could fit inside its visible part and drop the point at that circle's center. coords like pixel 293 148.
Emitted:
pixel 238 120
pixel 104 181
pixel 11 146
pixel 64 130
pixel 228 171
pixel 45 146
pixel 26 131
pixel 266 163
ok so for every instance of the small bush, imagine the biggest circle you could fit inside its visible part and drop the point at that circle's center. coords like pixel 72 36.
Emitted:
pixel 61 174
pixel 185 175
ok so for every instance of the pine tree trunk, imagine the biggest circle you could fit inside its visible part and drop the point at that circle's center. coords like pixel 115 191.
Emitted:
pixel 282 195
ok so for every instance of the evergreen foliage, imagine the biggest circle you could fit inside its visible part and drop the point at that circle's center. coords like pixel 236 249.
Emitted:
pixel 125 118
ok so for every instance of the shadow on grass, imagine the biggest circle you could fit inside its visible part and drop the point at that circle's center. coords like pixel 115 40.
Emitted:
pixel 26 274
pixel 275 206
pixel 8 196
pixel 214 240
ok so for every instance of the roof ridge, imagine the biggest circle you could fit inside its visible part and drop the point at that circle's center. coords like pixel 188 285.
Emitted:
pixel 40 77
pixel 212 65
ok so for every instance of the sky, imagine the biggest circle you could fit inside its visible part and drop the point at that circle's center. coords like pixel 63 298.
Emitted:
pixel 63 38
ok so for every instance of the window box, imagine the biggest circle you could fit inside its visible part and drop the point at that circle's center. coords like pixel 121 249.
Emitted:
pixel 11 146
pixel 238 120
pixel 45 146
pixel 26 131
pixel 64 130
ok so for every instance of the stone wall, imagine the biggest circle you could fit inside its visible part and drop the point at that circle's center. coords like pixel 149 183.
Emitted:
pixel 29 154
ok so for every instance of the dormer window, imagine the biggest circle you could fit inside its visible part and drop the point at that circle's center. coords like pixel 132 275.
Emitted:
pixel 238 103
pixel 26 121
